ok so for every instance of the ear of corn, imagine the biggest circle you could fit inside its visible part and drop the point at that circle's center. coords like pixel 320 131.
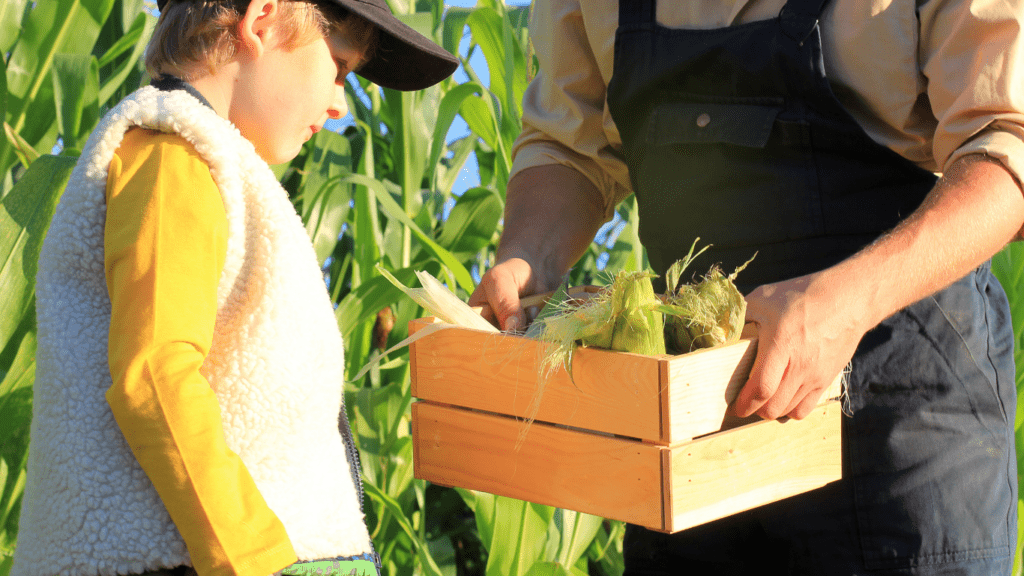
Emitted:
pixel 639 326
pixel 628 316
pixel 713 309
pixel 625 317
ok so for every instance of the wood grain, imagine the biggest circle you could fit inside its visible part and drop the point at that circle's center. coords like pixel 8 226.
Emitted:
pixel 611 392
pixel 667 488
pixel 601 475
pixel 661 399
pixel 739 469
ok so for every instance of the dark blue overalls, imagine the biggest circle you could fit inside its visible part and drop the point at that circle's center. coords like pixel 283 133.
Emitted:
pixel 734 135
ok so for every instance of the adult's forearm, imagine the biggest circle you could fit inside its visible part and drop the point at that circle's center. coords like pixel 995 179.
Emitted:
pixel 974 210
pixel 551 216
pixel 809 327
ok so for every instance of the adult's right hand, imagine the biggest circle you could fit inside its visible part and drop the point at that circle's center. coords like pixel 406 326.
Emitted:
pixel 499 292
pixel 551 215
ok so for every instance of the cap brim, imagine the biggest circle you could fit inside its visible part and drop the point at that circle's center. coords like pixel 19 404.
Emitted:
pixel 404 59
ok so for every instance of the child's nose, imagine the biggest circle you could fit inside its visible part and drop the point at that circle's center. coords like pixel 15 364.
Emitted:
pixel 339 108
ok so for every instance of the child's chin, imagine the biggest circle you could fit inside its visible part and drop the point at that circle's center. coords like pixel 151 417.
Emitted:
pixel 280 156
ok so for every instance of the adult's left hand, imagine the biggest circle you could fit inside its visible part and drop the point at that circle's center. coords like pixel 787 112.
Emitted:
pixel 805 338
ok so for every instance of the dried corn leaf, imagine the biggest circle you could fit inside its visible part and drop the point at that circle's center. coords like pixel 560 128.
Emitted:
pixel 440 302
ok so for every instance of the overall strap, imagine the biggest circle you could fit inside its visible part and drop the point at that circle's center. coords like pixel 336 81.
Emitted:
pixel 634 12
pixel 798 18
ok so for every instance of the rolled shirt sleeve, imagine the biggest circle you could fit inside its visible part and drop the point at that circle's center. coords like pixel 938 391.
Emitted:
pixel 972 54
pixel 565 117
pixel 165 244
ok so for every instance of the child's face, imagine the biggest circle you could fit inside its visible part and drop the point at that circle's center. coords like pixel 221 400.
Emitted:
pixel 288 94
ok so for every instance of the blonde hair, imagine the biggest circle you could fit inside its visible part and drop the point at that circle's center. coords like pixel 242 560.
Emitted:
pixel 195 34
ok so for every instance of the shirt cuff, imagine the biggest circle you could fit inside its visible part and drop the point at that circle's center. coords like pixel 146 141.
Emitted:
pixel 536 154
pixel 1006 146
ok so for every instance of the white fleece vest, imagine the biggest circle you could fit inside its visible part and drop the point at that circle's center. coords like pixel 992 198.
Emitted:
pixel 276 366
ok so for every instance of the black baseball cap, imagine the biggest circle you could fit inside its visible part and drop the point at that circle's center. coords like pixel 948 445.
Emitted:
pixel 404 59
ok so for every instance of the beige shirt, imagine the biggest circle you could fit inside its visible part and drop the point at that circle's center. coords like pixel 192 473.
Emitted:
pixel 933 80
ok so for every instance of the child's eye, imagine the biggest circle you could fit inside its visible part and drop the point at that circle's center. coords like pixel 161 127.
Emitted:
pixel 342 70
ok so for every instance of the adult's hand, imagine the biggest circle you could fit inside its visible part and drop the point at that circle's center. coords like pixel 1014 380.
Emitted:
pixel 803 342
pixel 501 288
pixel 551 215
pixel 809 327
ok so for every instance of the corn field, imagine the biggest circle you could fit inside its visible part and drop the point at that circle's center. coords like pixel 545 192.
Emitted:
pixel 378 192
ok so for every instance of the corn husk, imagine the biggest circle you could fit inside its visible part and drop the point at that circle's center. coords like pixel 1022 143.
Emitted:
pixel 435 299
pixel 712 310
pixel 440 301
pixel 625 317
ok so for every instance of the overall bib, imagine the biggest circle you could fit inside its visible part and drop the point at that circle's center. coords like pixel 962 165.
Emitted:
pixel 734 135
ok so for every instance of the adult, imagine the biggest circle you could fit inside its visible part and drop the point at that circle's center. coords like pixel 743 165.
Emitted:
pixel 812 133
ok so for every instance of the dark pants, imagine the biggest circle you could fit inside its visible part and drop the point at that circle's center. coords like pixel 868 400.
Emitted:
pixel 929 477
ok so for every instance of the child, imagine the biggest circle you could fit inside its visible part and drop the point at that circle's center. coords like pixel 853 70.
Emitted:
pixel 189 382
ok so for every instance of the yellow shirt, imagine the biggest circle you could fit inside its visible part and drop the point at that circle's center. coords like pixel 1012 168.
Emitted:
pixel 932 80
pixel 165 243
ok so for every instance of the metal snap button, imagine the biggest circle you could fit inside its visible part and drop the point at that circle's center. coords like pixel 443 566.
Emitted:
pixel 703 120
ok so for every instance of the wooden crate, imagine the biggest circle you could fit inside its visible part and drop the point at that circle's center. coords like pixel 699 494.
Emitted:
pixel 645 439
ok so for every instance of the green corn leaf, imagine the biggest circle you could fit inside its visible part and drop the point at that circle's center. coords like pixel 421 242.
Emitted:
pixel 50 28
pixel 12 12
pixel 76 86
pixel 505 61
pixel 472 221
pixel 577 530
pixel 606 549
pixel 483 506
pixel 373 295
pixel 130 10
pixel 366 232
pixel 326 209
pixel 448 109
pixel 427 563
pixel 393 210
pixel 461 149
pixel 548 569
pixel 453 27
pixel 483 116
pixel 135 38
pixel 519 538
pixel 24 151
pixel 15 418
pixel 24 218
pixel 3 98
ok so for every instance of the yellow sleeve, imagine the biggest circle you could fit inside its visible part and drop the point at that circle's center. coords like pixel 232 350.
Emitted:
pixel 165 243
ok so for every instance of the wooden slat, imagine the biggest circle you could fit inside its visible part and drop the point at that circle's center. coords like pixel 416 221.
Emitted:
pixel 601 475
pixel 701 385
pixel 660 399
pixel 613 392
pixel 739 469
